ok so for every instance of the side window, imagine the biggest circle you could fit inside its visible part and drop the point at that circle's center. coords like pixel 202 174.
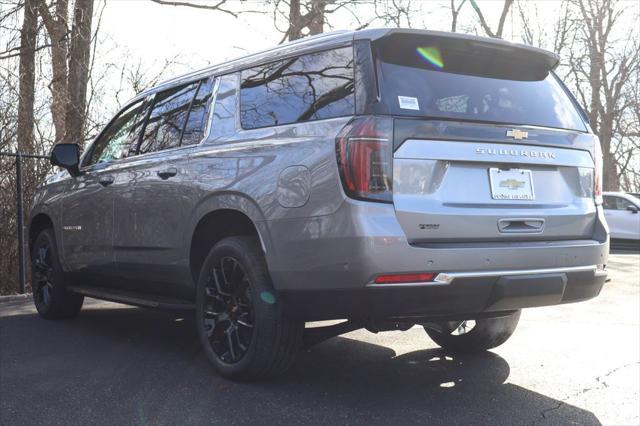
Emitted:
pixel 608 203
pixel 196 122
pixel 623 203
pixel 616 203
pixel 224 109
pixel 309 87
pixel 119 136
pixel 167 118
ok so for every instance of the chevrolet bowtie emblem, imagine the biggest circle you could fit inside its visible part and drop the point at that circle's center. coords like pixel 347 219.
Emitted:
pixel 517 134
pixel 511 184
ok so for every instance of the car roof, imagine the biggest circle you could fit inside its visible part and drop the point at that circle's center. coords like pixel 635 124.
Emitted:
pixel 621 194
pixel 335 39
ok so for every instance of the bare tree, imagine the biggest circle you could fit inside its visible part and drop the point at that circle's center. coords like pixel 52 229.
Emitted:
pixel 27 73
pixel 56 25
pixel 303 17
pixel 483 22
pixel 219 5
pixel 396 13
pixel 455 11
pixel 78 74
pixel 69 65
pixel 605 74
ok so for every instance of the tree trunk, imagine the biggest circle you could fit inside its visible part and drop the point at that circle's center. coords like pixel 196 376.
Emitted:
pixel 57 29
pixel 611 182
pixel 78 74
pixel 295 21
pixel 316 23
pixel 27 76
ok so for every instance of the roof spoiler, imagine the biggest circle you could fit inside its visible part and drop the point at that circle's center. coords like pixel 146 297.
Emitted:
pixel 480 55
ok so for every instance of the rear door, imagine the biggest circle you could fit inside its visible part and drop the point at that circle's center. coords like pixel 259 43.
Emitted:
pixel 488 145
pixel 457 190
pixel 150 213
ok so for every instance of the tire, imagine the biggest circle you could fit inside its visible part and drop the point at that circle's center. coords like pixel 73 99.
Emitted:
pixel 239 319
pixel 51 298
pixel 486 334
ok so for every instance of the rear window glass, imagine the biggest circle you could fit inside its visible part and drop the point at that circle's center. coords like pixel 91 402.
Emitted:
pixel 423 78
pixel 310 87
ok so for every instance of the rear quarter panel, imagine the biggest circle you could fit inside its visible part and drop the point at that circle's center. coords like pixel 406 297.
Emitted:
pixel 273 175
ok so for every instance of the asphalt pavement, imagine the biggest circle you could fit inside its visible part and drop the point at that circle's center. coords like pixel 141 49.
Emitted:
pixel 117 365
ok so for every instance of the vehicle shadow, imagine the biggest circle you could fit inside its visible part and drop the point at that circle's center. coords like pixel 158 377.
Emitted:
pixel 129 365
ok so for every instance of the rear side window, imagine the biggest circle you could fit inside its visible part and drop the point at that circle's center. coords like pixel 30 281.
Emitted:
pixel 167 119
pixel 433 78
pixel 196 123
pixel 310 87
pixel 224 109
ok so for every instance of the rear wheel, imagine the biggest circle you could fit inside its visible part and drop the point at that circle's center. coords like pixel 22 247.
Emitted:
pixel 240 320
pixel 51 298
pixel 474 335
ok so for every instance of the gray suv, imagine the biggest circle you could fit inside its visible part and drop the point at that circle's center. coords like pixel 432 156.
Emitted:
pixel 385 177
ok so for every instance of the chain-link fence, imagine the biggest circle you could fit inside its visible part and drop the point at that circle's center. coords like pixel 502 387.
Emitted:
pixel 20 173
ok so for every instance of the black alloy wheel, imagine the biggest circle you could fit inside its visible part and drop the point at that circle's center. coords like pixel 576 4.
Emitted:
pixel 43 275
pixel 240 317
pixel 50 296
pixel 228 314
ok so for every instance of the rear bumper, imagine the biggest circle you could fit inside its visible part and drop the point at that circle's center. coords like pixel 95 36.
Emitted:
pixel 323 267
pixel 465 296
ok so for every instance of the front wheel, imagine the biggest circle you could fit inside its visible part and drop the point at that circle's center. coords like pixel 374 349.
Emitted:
pixel 474 335
pixel 240 320
pixel 50 296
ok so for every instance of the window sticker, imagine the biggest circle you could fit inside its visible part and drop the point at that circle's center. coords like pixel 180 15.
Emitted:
pixel 408 102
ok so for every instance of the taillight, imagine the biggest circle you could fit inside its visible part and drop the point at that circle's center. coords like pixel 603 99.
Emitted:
pixel 597 181
pixel 364 151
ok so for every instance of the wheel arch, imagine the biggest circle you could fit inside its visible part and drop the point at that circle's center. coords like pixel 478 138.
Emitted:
pixel 214 226
pixel 39 222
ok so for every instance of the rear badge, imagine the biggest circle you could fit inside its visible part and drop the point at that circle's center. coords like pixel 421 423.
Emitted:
pixel 512 183
pixel 517 134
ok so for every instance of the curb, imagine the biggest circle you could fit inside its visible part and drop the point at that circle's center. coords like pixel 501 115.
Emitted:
pixel 14 298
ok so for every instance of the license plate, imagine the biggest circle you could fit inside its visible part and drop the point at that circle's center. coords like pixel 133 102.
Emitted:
pixel 511 184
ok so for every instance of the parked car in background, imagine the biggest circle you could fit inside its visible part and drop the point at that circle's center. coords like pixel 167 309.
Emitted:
pixel 621 211
pixel 388 177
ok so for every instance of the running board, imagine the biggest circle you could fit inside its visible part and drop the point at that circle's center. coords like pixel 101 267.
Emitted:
pixel 133 298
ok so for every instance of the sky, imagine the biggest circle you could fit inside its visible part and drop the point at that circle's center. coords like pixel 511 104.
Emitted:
pixel 146 33
pixel 153 32
pixel 140 31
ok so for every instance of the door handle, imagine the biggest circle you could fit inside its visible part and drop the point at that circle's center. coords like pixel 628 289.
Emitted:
pixel 520 225
pixel 106 180
pixel 166 174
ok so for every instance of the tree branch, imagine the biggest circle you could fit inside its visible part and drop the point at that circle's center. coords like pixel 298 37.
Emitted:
pixel 217 6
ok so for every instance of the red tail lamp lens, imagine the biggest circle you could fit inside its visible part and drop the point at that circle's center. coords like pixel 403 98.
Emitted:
pixel 597 187
pixel 404 278
pixel 364 151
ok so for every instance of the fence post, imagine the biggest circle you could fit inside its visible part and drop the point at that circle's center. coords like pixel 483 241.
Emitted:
pixel 20 217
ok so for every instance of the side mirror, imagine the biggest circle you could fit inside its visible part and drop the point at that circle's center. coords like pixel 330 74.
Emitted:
pixel 67 156
pixel 632 209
